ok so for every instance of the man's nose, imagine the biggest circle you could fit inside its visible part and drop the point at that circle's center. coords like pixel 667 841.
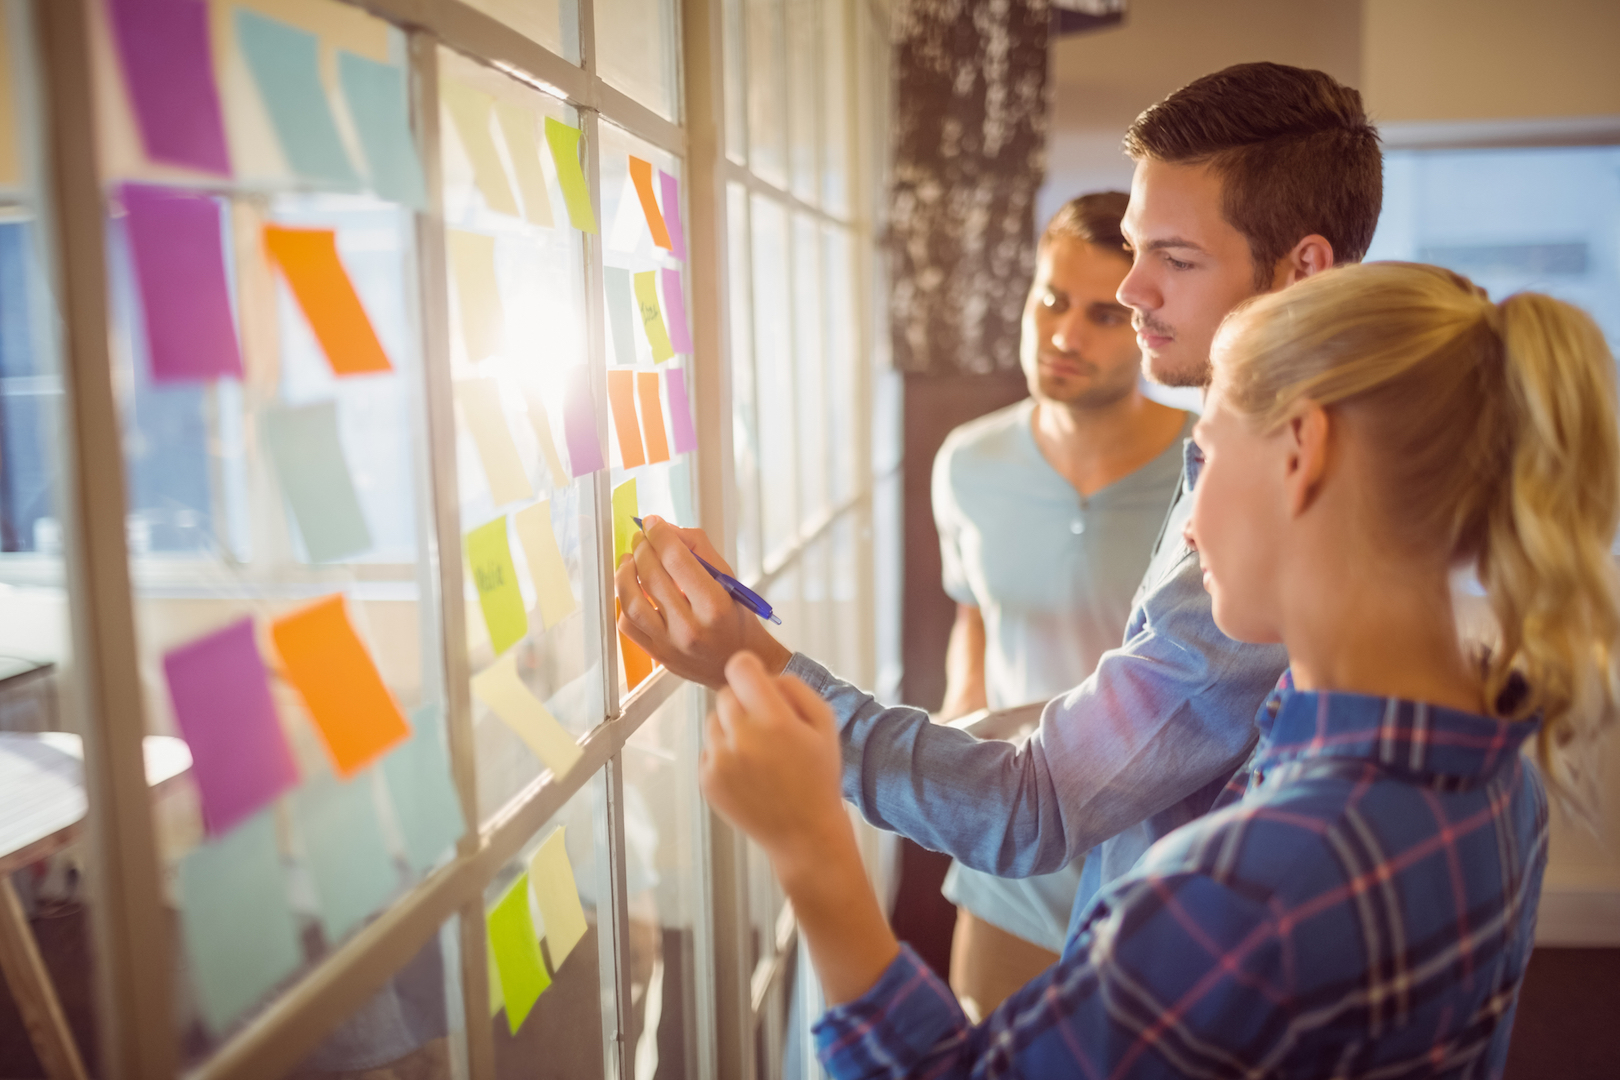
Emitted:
pixel 1069 332
pixel 1137 291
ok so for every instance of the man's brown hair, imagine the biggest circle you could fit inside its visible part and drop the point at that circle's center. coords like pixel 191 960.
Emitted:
pixel 1093 218
pixel 1294 150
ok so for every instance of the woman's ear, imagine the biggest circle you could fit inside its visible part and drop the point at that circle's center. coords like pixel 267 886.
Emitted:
pixel 1307 434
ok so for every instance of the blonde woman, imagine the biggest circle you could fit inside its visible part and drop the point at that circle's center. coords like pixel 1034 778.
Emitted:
pixel 1361 903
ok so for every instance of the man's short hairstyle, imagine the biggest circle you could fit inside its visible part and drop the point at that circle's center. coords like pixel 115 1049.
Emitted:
pixel 1294 150
pixel 1093 218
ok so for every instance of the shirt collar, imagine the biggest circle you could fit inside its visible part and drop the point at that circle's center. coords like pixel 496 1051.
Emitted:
pixel 1192 461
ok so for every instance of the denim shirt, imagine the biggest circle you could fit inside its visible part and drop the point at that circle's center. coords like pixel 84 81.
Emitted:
pixel 1140 748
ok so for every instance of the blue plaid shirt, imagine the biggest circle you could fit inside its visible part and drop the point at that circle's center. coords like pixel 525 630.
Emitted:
pixel 1363 906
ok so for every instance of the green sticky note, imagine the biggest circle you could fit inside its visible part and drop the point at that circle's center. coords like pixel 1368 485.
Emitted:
pixel 239 932
pixel 495 576
pixel 424 796
pixel 285 66
pixel 344 850
pixel 304 443
pixel 564 143
pixel 624 510
pixel 377 102
pixel 516 947
pixel 652 316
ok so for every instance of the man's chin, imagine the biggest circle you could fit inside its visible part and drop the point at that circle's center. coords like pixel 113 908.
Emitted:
pixel 1170 369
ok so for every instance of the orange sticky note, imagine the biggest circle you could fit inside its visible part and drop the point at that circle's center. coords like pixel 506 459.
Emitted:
pixel 637 664
pixel 622 403
pixel 309 260
pixel 328 664
pixel 652 416
pixel 641 174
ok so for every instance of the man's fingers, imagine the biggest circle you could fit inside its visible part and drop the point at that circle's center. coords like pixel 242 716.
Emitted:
pixel 703 594
pixel 755 688
pixel 633 603
pixel 672 601
pixel 730 714
pixel 806 703
pixel 714 735
pixel 696 540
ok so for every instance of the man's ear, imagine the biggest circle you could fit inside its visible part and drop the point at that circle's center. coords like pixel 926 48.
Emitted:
pixel 1310 256
pixel 1307 431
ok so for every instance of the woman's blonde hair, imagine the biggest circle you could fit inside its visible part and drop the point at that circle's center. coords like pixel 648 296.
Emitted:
pixel 1494 429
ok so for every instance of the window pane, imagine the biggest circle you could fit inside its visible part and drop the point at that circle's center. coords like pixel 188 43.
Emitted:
pixel 767 90
pixel 811 370
pixel 835 74
pixel 843 363
pixel 636 48
pixel 804 97
pixel 552 23
pixel 744 423
pixel 774 389
pixel 736 82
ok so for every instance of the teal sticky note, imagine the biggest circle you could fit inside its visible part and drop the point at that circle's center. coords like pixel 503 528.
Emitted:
pixel 680 493
pixel 240 936
pixel 284 63
pixel 348 860
pixel 621 307
pixel 376 96
pixel 307 451
pixel 424 797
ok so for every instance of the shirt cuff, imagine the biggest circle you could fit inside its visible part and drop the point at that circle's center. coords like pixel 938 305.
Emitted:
pixel 810 673
pixel 887 1031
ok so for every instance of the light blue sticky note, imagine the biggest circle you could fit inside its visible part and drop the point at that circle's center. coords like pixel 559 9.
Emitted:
pixel 376 96
pixel 239 932
pixel 424 798
pixel 304 443
pixel 283 60
pixel 680 493
pixel 348 860
pixel 621 306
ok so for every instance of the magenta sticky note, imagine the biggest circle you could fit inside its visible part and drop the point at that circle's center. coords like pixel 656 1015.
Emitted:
pixel 680 411
pixel 579 425
pixel 221 697
pixel 174 241
pixel 169 68
pixel 680 338
pixel 670 189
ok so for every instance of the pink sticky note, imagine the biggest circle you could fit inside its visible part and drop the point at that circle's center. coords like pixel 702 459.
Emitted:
pixel 174 240
pixel 169 67
pixel 675 311
pixel 222 702
pixel 670 189
pixel 579 425
pixel 680 412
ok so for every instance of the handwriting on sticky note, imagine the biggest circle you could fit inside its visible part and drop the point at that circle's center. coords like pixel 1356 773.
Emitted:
pixel 478 296
pixel 495 578
pixel 622 403
pixel 579 425
pixel 680 411
pixel 652 319
pixel 564 143
pixel 551 876
pixel 308 259
pixel 554 593
pixel 307 452
pixel 480 401
pixel 424 799
pixel 624 512
pixel 652 416
pixel 521 128
pixel 637 664
pixel 622 311
pixel 470 112
pixel 285 65
pixel 344 850
pixel 675 310
pixel 516 950
pixel 540 421
pixel 670 188
pixel 168 64
pixel 499 687
pixel 641 175
pixel 376 96
pixel 328 664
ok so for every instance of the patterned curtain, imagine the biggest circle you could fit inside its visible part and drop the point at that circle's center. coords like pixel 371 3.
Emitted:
pixel 970 153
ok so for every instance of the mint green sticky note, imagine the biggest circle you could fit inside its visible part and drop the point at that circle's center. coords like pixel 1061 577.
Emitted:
pixel 564 143
pixel 240 936
pixel 499 596
pixel 307 450
pixel 424 797
pixel 344 850
pixel 285 67
pixel 376 97
pixel 516 947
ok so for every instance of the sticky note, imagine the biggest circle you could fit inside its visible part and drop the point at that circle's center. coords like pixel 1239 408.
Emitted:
pixel 679 478
pixel 680 411
pixel 554 593
pixel 495 577
pixel 285 66
pixel 499 687
pixel 518 963
pixel 579 425
pixel 637 664
pixel 376 96
pixel 239 931
pixel 671 190
pixel 344 851
pixel 564 143
pixel 470 112
pixel 221 697
pixel 624 510
pixel 622 403
pixel 174 240
pixel 308 454
pixel 480 401
pixel 327 663
pixel 641 174
pixel 652 320
pixel 621 310
pixel 541 423
pixel 652 416
pixel 309 262
pixel 521 128
pixel 472 266
pixel 497 1000
pixel 169 67
pixel 422 791
pixel 675 310
pixel 551 877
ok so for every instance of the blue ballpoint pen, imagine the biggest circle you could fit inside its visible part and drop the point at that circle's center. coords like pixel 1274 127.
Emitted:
pixel 741 593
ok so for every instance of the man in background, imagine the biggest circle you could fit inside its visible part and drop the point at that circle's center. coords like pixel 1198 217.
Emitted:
pixel 1047 513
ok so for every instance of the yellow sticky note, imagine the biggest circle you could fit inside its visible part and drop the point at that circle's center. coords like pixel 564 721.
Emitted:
pixel 496 998
pixel 512 939
pixel 490 557
pixel 541 423
pixel 480 401
pixel 470 111
pixel 624 509
pixel 520 126
pixel 564 143
pixel 472 266
pixel 552 879
pixel 499 687
pixel 552 589
pixel 652 316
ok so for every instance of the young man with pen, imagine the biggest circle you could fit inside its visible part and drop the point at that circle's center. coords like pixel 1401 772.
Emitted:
pixel 1246 181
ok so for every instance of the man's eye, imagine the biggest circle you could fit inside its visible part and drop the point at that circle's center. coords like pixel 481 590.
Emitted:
pixel 1054 302
pixel 1110 318
pixel 1177 264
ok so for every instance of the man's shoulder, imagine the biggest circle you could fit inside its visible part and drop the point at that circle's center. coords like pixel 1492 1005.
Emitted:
pixel 993 436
